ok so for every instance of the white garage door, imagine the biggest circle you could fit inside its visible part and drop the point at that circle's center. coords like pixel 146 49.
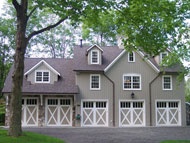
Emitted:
pixel 58 112
pixel 94 113
pixel 131 113
pixel 30 112
pixel 168 113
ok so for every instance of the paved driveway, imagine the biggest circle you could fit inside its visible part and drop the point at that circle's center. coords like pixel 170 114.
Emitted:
pixel 116 135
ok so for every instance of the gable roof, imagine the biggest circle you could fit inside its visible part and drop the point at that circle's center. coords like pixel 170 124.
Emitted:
pixel 38 64
pixel 64 85
pixel 93 47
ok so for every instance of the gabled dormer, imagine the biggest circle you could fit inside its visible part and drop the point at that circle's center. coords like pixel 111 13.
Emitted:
pixel 159 58
pixel 42 72
pixel 94 54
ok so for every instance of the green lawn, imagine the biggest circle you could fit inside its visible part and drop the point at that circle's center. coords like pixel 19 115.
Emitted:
pixel 176 141
pixel 27 137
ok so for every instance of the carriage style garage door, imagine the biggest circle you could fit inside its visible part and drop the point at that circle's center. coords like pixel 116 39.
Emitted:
pixel 59 112
pixel 94 113
pixel 168 113
pixel 131 113
pixel 30 112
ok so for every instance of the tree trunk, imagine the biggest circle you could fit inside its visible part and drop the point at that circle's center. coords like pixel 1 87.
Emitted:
pixel 15 127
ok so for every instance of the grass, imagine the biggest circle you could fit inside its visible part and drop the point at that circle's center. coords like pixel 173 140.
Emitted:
pixel 27 137
pixel 176 141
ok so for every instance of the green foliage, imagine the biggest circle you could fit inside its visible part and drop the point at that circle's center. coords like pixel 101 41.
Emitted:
pixel 187 90
pixel 27 137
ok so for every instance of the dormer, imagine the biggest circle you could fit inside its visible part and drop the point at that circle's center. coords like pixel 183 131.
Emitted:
pixel 159 58
pixel 42 73
pixel 94 54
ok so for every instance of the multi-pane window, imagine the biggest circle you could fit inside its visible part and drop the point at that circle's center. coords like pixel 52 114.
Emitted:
pixel 43 76
pixel 95 82
pixel 131 57
pixel 167 82
pixel 131 81
pixel 94 57
pixel 162 56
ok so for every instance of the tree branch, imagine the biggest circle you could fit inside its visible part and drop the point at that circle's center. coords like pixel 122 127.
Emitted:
pixel 45 29
pixel 16 4
pixel 32 11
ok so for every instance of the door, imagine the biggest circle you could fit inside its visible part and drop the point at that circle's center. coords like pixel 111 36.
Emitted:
pixel 30 112
pixel 131 113
pixel 59 112
pixel 94 113
pixel 168 113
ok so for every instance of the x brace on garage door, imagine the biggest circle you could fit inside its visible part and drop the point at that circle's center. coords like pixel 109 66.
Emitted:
pixel 59 112
pixel 30 112
pixel 131 113
pixel 168 113
pixel 94 113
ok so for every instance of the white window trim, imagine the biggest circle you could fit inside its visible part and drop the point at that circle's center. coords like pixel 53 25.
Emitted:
pixel 42 76
pixel 91 81
pixel 98 56
pixel 161 58
pixel 133 57
pixel 171 87
pixel 132 76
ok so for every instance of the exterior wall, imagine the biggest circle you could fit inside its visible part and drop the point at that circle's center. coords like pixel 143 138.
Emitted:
pixel 177 93
pixel 122 66
pixel 53 76
pixel 105 93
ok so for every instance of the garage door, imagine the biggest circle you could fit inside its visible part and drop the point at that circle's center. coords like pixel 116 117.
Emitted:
pixel 58 112
pixel 131 113
pixel 168 113
pixel 94 113
pixel 30 112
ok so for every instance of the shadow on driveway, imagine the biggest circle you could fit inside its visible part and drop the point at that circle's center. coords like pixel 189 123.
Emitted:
pixel 116 135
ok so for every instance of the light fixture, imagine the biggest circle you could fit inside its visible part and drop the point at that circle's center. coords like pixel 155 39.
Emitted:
pixel 132 95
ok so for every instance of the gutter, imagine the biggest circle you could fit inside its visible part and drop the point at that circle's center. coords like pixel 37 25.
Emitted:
pixel 113 96
pixel 150 97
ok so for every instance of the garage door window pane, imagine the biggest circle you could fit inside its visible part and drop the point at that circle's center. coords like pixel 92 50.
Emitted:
pixel 87 104
pixel 52 101
pixel 125 104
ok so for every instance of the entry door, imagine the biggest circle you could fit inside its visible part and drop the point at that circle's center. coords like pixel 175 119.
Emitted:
pixel 132 113
pixel 168 113
pixel 30 112
pixel 58 112
pixel 94 113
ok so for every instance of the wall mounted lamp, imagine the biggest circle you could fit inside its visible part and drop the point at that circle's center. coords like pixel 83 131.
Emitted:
pixel 132 95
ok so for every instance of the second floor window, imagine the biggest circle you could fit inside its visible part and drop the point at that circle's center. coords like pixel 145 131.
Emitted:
pixel 95 82
pixel 42 77
pixel 131 82
pixel 167 82
pixel 94 57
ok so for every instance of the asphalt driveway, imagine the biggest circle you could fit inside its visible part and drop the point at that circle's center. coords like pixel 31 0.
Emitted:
pixel 116 135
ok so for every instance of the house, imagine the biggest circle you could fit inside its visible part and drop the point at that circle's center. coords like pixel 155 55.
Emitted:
pixel 100 87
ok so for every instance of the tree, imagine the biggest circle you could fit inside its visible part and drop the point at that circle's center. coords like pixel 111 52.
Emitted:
pixel 104 28
pixel 153 26
pixel 24 11
pixel 187 90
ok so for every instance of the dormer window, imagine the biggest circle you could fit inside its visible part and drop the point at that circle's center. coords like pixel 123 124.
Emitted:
pixel 163 55
pixel 42 76
pixel 131 57
pixel 94 57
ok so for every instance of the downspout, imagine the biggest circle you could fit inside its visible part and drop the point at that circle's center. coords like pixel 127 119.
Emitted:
pixel 113 96
pixel 150 97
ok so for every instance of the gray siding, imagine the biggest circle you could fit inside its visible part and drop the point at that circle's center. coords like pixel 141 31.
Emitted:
pixel 53 76
pixel 105 93
pixel 177 93
pixel 122 66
